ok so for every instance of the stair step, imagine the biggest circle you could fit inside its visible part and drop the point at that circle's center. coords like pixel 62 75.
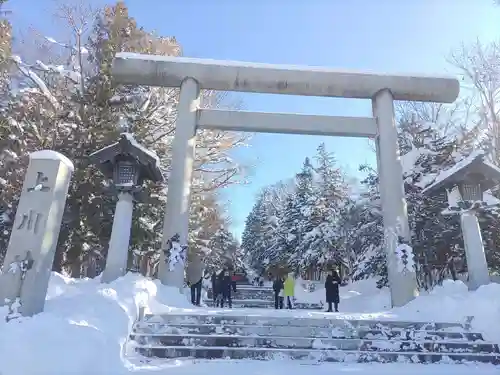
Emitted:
pixel 326 320
pixel 246 299
pixel 253 287
pixel 247 303
pixel 243 294
pixel 301 331
pixel 312 343
pixel 322 355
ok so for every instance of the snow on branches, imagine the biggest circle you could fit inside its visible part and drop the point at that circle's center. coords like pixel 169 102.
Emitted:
pixel 296 224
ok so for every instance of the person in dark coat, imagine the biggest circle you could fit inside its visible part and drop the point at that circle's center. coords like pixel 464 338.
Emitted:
pixel 215 292
pixel 278 293
pixel 224 283
pixel 332 290
pixel 234 278
pixel 194 275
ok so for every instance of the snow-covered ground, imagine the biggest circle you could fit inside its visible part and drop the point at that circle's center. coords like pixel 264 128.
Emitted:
pixel 85 326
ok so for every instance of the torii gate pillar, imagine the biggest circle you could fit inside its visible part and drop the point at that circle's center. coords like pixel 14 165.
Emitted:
pixel 392 194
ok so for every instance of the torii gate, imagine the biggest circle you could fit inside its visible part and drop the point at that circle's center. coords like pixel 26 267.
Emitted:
pixel 191 75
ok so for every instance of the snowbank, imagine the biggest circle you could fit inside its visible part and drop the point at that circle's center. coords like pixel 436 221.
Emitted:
pixel 83 329
pixel 451 302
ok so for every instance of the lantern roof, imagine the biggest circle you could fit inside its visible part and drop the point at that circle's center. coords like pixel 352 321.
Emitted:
pixel 467 169
pixel 128 147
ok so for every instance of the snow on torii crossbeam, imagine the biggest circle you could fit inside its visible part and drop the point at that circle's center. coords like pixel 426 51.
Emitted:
pixel 191 75
pixel 167 71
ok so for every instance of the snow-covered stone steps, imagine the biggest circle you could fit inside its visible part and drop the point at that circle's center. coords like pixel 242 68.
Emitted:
pixel 146 341
pixel 253 287
pixel 159 329
pixel 318 355
pixel 326 337
pixel 321 320
pixel 267 304
pixel 253 293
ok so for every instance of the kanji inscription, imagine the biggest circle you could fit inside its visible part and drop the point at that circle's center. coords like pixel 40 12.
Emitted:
pixel 41 180
pixel 30 221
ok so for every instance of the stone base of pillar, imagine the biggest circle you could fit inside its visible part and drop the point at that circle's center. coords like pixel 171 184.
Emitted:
pixel 404 288
pixel 173 278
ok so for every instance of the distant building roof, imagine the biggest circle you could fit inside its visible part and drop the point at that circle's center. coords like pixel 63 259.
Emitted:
pixel 474 163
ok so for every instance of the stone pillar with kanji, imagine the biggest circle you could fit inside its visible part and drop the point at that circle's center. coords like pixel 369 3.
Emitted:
pixel 28 262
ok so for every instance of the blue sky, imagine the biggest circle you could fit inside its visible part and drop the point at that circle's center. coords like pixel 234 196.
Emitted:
pixel 384 35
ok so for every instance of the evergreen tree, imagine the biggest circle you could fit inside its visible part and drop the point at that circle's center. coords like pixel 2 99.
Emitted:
pixel 330 178
pixel 224 245
pixel 364 237
pixel 256 241
pixel 299 218
pixel 320 245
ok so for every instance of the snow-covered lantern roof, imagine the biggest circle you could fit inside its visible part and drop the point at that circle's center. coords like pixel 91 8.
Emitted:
pixel 467 180
pixel 128 163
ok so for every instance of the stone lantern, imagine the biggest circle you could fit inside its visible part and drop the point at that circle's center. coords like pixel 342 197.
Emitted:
pixel 128 165
pixel 465 185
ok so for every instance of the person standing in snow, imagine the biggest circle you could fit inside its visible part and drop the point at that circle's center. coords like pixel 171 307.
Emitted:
pixel 215 292
pixel 219 287
pixel 332 290
pixel 289 290
pixel 224 284
pixel 234 278
pixel 278 292
pixel 194 273
pixel 261 281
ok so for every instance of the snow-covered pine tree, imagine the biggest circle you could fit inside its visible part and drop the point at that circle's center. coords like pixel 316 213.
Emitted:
pixel 320 245
pixel 261 237
pixel 364 221
pixel 238 259
pixel 298 218
pixel 223 244
pixel 251 233
pixel 330 179
pixel 288 235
